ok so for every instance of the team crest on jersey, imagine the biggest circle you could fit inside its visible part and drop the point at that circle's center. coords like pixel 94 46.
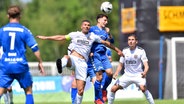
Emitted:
pixel 135 56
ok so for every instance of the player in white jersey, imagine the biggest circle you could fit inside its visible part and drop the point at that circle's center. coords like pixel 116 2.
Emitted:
pixel 79 56
pixel 134 59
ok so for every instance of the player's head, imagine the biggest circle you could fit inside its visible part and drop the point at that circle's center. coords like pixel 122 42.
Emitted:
pixel 102 20
pixel 132 40
pixel 13 12
pixel 85 26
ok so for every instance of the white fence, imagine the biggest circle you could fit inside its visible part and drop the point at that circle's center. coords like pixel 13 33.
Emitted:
pixel 51 69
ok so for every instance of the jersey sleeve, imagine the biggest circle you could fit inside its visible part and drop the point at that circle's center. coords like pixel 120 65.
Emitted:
pixel 143 56
pixel 122 59
pixel 71 35
pixel 30 40
pixel 97 38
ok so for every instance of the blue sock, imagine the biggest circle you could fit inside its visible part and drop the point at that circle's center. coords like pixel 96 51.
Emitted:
pixel 103 79
pixel 73 94
pixel 98 90
pixel 29 99
pixel 106 82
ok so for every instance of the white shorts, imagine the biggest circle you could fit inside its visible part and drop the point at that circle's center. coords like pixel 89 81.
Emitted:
pixel 125 80
pixel 80 66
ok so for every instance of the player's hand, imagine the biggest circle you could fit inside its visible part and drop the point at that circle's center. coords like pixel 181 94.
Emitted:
pixel 143 75
pixel 91 54
pixel 107 29
pixel 115 76
pixel 120 53
pixel 41 69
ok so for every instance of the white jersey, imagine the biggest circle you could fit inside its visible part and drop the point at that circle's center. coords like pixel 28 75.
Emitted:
pixel 82 43
pixel 70 48
pixel 133 60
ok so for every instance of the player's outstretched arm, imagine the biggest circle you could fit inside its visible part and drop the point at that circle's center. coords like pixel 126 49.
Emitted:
pixel 108 44
pixel 55 37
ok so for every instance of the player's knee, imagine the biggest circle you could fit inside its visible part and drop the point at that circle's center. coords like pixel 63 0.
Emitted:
pixel 109 72
pixel 80 92
pixel 114 88
pixel 143 88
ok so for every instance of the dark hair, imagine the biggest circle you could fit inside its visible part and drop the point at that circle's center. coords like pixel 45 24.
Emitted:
pixel 101 16
pixel 134 35
pixel 14 11
pixel 86 21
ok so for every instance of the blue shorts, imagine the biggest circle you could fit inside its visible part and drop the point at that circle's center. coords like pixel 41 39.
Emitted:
pixel 24 79
pixel 90 70
pixel 100 61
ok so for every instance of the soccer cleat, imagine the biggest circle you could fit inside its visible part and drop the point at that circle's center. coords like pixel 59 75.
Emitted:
pixel 104 95
pixel 98 101
pixel 59 65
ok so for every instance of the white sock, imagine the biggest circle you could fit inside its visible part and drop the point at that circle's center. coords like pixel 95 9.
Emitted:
pixel 6 98
pixel 78 99
pixel 111 98
pixel 11 96
pixel 149 97
pixel 64 62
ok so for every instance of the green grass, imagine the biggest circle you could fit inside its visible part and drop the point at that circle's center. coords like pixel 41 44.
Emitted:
pixel 64 98
pixel 128 101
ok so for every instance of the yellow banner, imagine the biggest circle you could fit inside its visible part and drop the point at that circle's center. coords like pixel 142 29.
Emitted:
pixel 128 21
pixel 171 18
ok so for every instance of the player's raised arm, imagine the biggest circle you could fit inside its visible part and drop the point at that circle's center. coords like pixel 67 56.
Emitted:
pixel 55 37
pixel 108 44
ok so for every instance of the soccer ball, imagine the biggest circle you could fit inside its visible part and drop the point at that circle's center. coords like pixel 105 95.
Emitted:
pixel 106 7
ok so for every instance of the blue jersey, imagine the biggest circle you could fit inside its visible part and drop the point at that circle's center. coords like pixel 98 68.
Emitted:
pixel 109 52
pixel 98 47
pixel 13 38
pixel 99 61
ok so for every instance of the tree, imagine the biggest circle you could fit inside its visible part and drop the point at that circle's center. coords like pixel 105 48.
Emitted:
pixel 51 17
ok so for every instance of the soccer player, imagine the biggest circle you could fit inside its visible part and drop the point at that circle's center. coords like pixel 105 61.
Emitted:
pixel 90 73
pixel 100 61
pixel 78 58
pixel 13 39
pixel 8 93
pixel 134 59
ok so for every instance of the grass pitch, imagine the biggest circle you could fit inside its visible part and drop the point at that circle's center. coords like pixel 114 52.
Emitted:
pixel 64 98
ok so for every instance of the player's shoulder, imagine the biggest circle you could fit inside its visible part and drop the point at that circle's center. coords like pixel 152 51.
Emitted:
pixel 92 27
pixel 140 48
pixel 126 48
pixel 75 33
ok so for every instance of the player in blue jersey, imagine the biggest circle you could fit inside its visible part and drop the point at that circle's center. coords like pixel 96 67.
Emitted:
pixel 78 58
pixel 13 38
pixel 8 94
pixel 100 61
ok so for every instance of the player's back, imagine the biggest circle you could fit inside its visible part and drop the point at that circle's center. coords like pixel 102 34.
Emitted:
pixel 13 39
